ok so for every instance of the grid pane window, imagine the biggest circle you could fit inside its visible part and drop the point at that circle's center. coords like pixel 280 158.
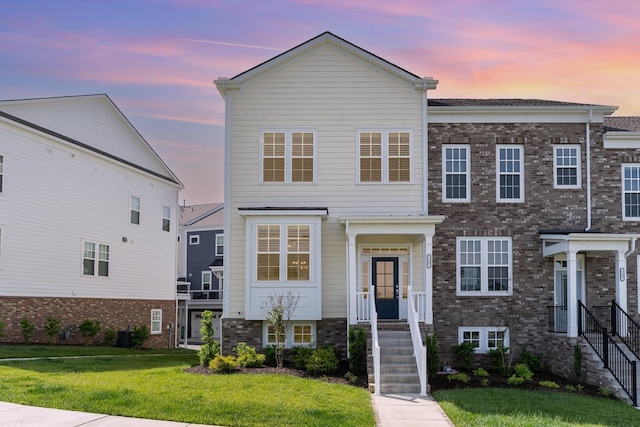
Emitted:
pixel 302 334
pixel 631 191
pixel 135 210
pixel 399 157
pixel 89 259
pixel 471 336
pixel 302 148
pixel 484 265
pixel 298 252
pixel 273 156
pixel 371 157
pixel 484 338
pixel 456 173
pixel 495 338
pixel 510 173
pixel 567 166
pixel 95 262
pixel 1 171
pixel 268 252
pixel 156 321
pixel 103 260
pixel 219 244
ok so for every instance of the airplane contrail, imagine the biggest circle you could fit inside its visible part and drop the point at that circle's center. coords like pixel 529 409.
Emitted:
pixel 233 44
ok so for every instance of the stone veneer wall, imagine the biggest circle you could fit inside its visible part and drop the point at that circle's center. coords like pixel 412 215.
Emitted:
pixel 117 314
pixel 333 333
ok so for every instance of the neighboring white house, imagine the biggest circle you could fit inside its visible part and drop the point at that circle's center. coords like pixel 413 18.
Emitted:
pixel 88 219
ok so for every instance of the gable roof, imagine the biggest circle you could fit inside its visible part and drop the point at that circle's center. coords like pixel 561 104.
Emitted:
pixel 503 102
pixel 209 214
pixel 326 38
pixel 622 123
pixel 105 131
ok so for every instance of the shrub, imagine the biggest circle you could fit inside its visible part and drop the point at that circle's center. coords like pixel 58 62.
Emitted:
pixel 223 364
pixel 89 329
pixel 433 359
pixel 501 359
pixel 480 372
pixel 515 380
pixel 570 388
pixel 139 335
pixel 248 357
pixel 208 352
pixel 301 356
pixel 351 378
pixel 357 350
pixel 530 359
pixel 549 384
pixel 52 328
pixel 270 354
pixel 28 328
pixel 485 382
pixel 322 361
pixel 604 392
pixel 466 351
pixel 522 370
pixel 110 336
pixel 461 377
pixel 577 363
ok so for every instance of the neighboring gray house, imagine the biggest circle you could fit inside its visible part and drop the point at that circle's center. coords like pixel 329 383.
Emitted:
pixel 200 263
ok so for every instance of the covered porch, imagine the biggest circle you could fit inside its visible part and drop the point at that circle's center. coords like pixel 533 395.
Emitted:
pixel 570 251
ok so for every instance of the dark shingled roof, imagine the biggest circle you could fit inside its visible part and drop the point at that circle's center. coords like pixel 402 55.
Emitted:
pixel 502 102
pixel 629 123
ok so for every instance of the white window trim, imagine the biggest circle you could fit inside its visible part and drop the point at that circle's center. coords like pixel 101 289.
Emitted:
pixel 385 156
pixel 131 209
pixel 289 334
pixel 219 245
pixel 467 173
pixel 194 239
pixel 96 259
pixel 167 217
pixel 288 156
pixel 521 174
pixel 156 312
pixel 484 286
pixel 1 174
pixel 624 215
pixel 202 280
pixel 484 336
pixel 578 184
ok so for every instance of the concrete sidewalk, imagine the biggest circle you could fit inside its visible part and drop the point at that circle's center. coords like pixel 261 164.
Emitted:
pixel 13 415
pixel 408 410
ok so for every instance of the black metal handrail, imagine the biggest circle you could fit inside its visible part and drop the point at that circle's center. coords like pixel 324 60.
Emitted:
pixel 626 328
pixel 557 318
pixel 614 359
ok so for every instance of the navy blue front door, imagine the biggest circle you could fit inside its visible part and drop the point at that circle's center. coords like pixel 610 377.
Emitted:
pixel 385 283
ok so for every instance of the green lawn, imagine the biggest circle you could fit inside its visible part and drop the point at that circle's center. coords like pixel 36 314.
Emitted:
pixel 153 385
pixel 514 407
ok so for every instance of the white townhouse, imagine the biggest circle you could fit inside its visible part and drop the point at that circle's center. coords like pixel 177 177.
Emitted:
pixel 87 220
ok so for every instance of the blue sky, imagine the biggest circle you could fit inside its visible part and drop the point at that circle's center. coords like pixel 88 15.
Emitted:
pixel 157 59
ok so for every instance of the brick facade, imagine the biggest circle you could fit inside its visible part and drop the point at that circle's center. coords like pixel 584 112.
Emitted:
pixel 544 208
pixel 116 314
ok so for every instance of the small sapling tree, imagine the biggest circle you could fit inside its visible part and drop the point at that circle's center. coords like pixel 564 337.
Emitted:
pixel 279 310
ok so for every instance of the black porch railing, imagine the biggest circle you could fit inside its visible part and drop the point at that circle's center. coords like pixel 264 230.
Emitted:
pixel 625 328
pixel 557 318
pixel 613 357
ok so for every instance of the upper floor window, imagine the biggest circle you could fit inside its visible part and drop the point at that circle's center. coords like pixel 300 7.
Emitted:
pixel 566 166
pixel 156 321
pixel 384 157
pixel 95 262
pixel 484 265
pixel 219 244
pixel 194 239
pixel 510 173
pixel 135 210
pixel 206 280
pixel 631 191
pixel 456 173
pixel 290 252
pixel 166 218
pixel 288 156
pixel 1 171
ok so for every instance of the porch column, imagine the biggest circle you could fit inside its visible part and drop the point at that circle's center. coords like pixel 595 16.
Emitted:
pixel 621 280
pixel 572 294
pixel 352 278
pixel 428 279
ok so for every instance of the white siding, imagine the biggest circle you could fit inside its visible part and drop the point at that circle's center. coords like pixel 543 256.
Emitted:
pixel 91 120
pixel 335 94
pixel 55 196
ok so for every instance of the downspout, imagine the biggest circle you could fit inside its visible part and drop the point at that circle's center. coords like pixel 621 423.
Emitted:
pixel 588 154
pixel 425 154
pixel 632 249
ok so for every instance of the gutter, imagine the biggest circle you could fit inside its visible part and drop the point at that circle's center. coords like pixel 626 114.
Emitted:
pixel 588 154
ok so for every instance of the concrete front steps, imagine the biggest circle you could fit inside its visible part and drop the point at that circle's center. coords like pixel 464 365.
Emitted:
pixel 398 370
